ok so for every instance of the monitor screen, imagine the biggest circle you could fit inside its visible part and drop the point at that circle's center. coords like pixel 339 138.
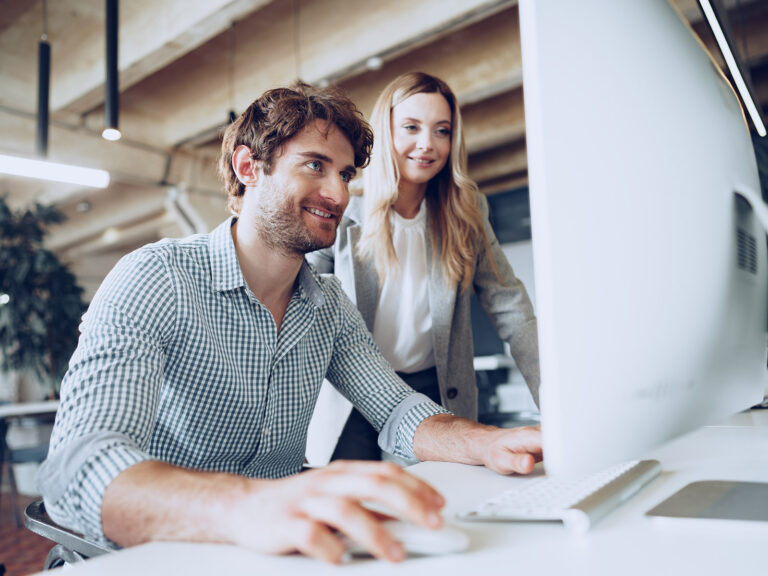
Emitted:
pixel 649 266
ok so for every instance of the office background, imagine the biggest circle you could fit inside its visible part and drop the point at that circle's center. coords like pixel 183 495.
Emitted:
pixel 183 66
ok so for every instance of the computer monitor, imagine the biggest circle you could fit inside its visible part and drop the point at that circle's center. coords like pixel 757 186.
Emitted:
pixel 649 266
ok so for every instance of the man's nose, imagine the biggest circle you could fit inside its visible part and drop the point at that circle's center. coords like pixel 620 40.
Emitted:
pixel 336 190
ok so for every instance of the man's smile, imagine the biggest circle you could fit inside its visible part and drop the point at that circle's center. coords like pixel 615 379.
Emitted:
pixel 320 213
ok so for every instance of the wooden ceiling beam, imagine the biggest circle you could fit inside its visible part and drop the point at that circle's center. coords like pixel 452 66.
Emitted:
pixel 494 122
pixel 504 161
pixel 152 35
pixel 127 162
pixel 273 47
pixel 121 206
pixel 478 62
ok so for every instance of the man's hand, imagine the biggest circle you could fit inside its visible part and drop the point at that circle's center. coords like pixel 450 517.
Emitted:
pixel 449 438
pixel 304 513
pixel 513 450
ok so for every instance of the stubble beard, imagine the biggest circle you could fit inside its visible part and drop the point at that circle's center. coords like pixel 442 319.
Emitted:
pixel 282 229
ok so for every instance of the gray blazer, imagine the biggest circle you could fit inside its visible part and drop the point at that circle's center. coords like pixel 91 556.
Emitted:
pixel 506 303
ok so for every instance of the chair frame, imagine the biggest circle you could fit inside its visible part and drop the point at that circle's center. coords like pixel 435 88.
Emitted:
pixel 70 548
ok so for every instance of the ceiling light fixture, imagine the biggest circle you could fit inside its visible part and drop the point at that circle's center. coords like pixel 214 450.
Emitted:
pixel 733 66
pixel 111 93
pixel 43 87
pixel 374 63
pixel 53 171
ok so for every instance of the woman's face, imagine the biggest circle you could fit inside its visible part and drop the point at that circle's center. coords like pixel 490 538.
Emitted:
pixel 421 136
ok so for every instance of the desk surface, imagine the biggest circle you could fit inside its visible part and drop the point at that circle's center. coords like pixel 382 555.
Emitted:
pixel 626 542
pixel 28 408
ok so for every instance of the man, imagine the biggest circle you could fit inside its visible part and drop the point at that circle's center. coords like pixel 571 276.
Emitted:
pixel 185 409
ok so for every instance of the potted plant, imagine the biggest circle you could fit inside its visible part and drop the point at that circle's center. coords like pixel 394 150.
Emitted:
pixel 40 300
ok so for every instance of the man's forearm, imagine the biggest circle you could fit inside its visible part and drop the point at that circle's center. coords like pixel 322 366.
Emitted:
pixel 448 438
pixel 155 500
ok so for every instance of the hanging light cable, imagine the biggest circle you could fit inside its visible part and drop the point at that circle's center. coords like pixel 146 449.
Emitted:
pixel 232 48
pixel 111 93
pixel 43 86
pixel 295 12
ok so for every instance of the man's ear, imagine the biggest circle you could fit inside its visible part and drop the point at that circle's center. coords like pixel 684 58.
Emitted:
pixel 245 166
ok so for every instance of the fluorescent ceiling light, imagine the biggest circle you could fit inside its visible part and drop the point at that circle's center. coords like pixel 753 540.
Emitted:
pixel 44 170
pixel 746 97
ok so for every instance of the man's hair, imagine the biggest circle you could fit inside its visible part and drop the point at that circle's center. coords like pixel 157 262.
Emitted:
pixel 276 117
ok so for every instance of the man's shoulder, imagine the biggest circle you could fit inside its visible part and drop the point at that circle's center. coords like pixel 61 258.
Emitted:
pixel 333 293
pixel 328 283
pixel 168 249
pixel 162 261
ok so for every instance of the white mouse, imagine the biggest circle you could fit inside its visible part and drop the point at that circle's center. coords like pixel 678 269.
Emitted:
pixel 419 541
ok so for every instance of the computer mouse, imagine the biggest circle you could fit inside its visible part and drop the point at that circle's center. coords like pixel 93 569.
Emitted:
pixel 419 541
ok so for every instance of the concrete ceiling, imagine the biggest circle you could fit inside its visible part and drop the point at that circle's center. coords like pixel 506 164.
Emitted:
pixel 184 64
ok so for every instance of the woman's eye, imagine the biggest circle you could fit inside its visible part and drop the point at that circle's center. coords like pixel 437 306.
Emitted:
pixel 314 165
pixel 410 127
pixel 444 132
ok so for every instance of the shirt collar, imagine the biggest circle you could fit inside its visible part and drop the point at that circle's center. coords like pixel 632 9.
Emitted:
pixel 225 268
pixel 309 284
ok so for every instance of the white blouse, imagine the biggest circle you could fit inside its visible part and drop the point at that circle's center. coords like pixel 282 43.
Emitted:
pixel 403 325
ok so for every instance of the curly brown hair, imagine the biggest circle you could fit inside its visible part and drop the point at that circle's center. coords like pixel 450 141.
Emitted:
pixel 276 117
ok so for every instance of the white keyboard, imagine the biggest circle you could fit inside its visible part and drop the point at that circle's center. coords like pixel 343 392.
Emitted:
pixel 577 502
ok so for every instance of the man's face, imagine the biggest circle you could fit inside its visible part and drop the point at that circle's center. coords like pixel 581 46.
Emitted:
pixel 298 207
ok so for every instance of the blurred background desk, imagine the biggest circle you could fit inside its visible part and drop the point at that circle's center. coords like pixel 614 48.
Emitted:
pixel 33 451
pixel 626 542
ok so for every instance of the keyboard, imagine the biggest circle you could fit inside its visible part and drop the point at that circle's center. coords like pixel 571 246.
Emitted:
pixel 576 502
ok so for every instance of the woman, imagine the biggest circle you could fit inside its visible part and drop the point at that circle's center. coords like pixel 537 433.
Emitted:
pixel 410 251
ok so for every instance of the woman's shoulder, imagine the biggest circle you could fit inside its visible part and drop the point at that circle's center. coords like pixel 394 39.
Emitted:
pixel 354 211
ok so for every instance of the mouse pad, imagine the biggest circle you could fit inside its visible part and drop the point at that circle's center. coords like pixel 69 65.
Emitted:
pixel 717 499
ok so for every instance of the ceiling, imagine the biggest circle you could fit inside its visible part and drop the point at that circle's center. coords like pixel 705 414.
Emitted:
pixel 184 64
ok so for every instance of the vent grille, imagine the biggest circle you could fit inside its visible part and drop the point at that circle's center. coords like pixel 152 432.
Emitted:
pixel 747 247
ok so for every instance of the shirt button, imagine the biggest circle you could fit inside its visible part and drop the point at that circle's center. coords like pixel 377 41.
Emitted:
pixel 452 393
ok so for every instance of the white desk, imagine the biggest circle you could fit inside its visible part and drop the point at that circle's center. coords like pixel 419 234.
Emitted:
pixel 624 543
pixel 23 409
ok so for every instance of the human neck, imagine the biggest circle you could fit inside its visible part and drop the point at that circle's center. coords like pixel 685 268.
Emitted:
pixel 270 274
pixel 409 197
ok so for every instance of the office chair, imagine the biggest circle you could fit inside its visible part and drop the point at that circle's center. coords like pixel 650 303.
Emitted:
pixel 70 547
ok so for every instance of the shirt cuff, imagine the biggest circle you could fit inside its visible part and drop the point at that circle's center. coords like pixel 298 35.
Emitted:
pixel 73 487
pixel 396 436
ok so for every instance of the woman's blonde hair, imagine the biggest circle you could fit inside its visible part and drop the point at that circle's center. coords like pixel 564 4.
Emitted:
pixel 454 212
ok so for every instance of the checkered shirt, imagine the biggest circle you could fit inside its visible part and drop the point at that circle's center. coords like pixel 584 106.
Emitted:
pixel 178 361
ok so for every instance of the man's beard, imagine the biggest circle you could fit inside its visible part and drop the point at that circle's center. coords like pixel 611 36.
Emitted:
pixel 281 228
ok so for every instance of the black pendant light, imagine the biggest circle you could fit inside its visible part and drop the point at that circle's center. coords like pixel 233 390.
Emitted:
pixel 111 95
pixel 43 87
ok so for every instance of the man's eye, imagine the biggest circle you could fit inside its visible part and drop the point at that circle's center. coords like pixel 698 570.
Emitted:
pixel 314 165
pixel 346 177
